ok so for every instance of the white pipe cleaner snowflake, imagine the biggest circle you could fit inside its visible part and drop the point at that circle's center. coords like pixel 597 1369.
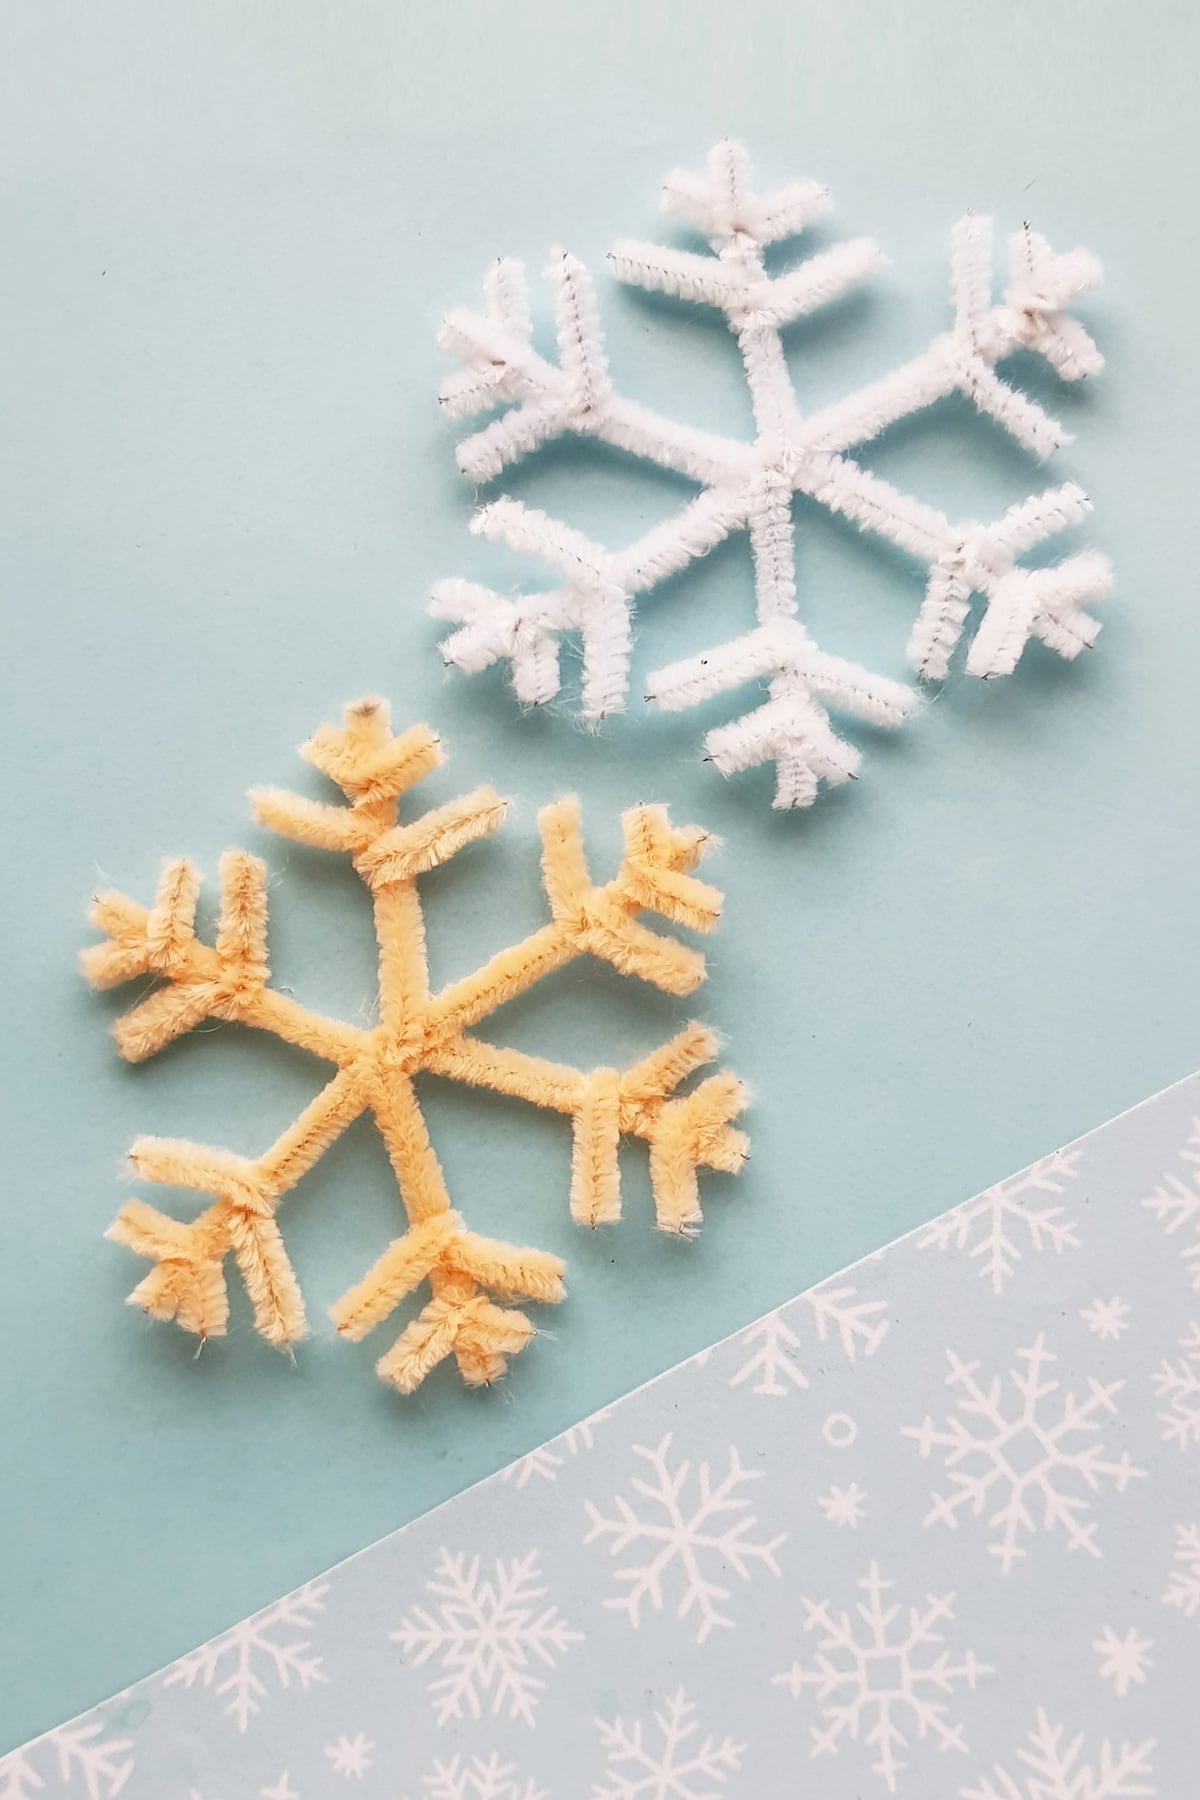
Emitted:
pixel 750 486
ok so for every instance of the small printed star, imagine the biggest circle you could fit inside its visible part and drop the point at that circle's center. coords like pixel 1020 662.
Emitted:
pixel 1123 1660
pixel 350 1756
pixel 1107 1318
pixel 282 1790
pixel 843 1506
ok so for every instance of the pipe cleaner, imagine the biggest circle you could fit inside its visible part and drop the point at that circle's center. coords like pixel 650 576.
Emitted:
pixel 749 486
pixel 375 1067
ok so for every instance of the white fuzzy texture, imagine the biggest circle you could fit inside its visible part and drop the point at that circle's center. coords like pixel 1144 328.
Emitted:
pixel 750 486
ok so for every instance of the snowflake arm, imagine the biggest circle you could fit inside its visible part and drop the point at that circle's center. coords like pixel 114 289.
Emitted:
pixel 750 486
pixel 1177 1384
pixel 670 1759
pixel 1052 1768
pixel 991 1227
pixel 1183 1585
pixel 93 1766
pixel 694 1538
pixel 416 1030
pixel 238 1664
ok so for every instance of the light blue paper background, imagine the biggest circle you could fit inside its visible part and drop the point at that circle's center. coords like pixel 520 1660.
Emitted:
pixel 226 235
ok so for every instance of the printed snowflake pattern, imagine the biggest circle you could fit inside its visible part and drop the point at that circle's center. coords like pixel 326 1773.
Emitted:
pixel 1106 1319
pixel 681 1763
pixel 1125 1658
pixel 485 1632
pixel 1178 1385
pixel 692 1534
pixel 994 1226
pixel 1175 1203
pixel 772 1367
pixel 350 1755
pixel 1183 1585
pixel 78 1759
pixel 240 1665
pixel 544 1463
pixel 844 1506
pixel 279 1790
pixel 880 1673
pixel 1023 1462
pixel 1051 1767
pixel 479 1778
pixel 750 487
pixel 417 1030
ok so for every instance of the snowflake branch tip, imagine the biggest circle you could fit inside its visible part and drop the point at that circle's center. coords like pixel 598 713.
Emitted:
pixel 470 1280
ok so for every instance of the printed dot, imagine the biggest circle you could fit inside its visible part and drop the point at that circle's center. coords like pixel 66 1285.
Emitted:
pixel 839 1431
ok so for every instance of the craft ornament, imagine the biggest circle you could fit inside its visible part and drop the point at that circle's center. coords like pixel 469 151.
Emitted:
pixel 416 1030
pixel 749 486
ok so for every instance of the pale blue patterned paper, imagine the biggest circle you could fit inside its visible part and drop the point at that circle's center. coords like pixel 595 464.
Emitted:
pixel 931 1529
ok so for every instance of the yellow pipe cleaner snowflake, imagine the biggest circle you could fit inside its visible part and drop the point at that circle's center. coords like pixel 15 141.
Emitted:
pixel 417 1030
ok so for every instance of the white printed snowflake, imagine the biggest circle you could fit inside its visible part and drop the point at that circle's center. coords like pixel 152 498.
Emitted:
pixel 279 1790
pixel 994 1227
pixel 1175 1203
pixel 844 1506
pixel 481 1778
pixel 1051 1768
pixel 485 1632
pixel 544 1463
pixel 237 1665
pixel 1125 1658
pixel 78 1759
pixel 772 1366
pixel 881 1672
pixel 1024 1462
pixel 672 1766
pixel 1183 1583
pixel 1178 1384
pixel 692 1535
pixel 1106 1319
pixel 749 487
pixel 350 1755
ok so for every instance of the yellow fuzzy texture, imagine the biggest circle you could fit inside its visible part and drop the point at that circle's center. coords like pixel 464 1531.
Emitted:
pixel 375 1066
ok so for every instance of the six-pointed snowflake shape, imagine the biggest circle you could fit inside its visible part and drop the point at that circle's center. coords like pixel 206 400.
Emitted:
pixel 1125 1658
pixel 844 1505
pixel 417 1030
pixel 992 1227
pixel 882 1672
pixel 279 1790
pixel 1041 1451
pixel 479 1778
pixel 1178 1385
pixel 82 1761
pixel 675 1760
pixel 750 486
pixel 1106 1319
pixel 239 1664
pixel 1052 1767
pixel 1183 1583
pixel 350 1755
pixel 485 1631
pixel 1175 1203
pixel 691 1535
